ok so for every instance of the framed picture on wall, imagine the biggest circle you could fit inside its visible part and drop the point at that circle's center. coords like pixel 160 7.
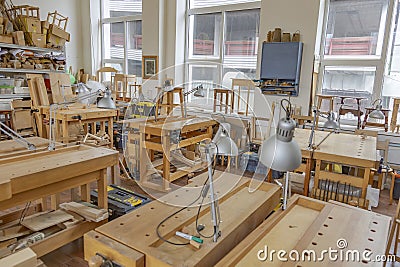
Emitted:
pixel 150 67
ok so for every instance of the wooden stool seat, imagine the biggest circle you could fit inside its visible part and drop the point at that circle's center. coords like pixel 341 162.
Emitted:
pixel 226 99
pixel 168 102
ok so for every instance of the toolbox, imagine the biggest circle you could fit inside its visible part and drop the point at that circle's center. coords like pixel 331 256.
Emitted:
pixel 120 200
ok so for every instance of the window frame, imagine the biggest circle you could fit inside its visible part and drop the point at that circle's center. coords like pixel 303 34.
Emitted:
pixel 222 9
pixel 125 20
pixel 377 61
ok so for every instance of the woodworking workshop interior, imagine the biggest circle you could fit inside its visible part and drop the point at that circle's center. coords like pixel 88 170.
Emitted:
pixel 155 133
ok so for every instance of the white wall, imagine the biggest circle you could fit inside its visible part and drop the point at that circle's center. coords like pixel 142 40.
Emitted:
pixel 75 10
pixel 290 16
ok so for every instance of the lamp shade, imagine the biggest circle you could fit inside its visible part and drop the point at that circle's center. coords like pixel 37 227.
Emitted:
pixel 280 152
pixel 225 146
pixel 106 102
pixel 331 123
pixel 377 114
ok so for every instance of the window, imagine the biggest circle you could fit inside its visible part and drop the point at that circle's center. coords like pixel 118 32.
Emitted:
pixel 122 35
pixel 355 27
pixel 354 48
pixel 222 44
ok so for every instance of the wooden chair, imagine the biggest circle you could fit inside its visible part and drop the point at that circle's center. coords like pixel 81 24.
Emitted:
pixel 384 124
pixel 124 92
pixel 100 72
pixel 226 100
pixel 394 233
pixel 321 98
pixel 245 85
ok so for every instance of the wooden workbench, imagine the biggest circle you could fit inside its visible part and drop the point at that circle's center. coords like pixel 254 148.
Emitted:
pixel 309 224
pixel 11 148
pixel 344 149
pixel 161 136
pixel 65 118
pixel 33 176
pixel 131 240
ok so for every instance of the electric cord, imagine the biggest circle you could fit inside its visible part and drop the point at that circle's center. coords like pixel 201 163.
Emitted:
pixel 180 210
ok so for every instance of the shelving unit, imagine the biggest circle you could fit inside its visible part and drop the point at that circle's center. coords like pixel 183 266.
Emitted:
pixel 31 48
pixel 35 71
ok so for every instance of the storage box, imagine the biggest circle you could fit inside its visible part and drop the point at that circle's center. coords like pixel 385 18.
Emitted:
pixel 19 38
pixel 59 32
pixel 32 24
pixel 8 39
pixel 55 41
pixel 38 39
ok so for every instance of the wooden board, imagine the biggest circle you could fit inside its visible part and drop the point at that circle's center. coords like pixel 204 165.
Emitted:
pixel 10 148
pixel 38 223
pixel 60 84
pixel 241 211
pixel 13 232
pixel 22 258
pixel 309 224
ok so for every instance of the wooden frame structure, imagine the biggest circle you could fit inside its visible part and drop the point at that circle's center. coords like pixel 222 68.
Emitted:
pixel 161 137
pixel 29 176
pixel 66 118
pixel 312 225
pixel 131 240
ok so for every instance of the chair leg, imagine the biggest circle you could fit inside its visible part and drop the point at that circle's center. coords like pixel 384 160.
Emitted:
pixel 392 188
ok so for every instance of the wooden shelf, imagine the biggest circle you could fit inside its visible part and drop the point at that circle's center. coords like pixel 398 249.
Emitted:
pixel 44 71
pixel 31 48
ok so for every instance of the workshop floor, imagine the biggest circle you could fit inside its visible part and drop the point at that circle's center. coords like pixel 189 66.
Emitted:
pixel 71 255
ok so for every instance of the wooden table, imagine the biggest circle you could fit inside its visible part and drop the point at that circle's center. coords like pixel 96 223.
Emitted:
pixel 65 118
pixel 309 224
pixel 131 240
pixel 32 176
pixel 162 136
pixel 345 149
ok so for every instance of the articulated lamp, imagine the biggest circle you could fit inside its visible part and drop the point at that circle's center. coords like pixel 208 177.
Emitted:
pixel 331 123
pixel 280 152
pixel 222 145
pixel 377 113
pixel 16 137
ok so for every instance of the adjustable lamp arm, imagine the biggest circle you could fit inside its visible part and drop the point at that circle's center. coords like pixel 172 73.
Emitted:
pixel 16 137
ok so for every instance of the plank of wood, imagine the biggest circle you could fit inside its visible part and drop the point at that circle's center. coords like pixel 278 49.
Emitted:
pixel 42 91
pixel 13 232
pixel 47 220
pixel 89 213
pixel 60 84
pixel 22 258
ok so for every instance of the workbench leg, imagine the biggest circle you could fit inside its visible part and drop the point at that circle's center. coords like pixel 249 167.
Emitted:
pixel 85 193
pixel 55 201
pixel 111 131
pixel 44 204
pixel 367 171
pixel 317 173
pixel 143 158
pixel 74 194
pixel 65 133
pixel 307 177
pixel 115 175
pixel 102 190
pixel 166 161
pixel 103 126
pixel 86 128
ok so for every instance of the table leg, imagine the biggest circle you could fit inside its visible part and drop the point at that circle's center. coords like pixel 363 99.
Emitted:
pixel 85 192
pixel 365 182
pixel 55 201
pixel 111 131
pixel 166 162
pixel 307 177
pixel 102 190
pixel 65 134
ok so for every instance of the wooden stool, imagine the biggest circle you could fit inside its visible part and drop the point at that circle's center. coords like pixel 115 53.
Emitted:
pixel 320 98
pixel 394 228
pixel 124 79
pixel 384 125
pixel 395 111
pixel 224 102
pixel 169 103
